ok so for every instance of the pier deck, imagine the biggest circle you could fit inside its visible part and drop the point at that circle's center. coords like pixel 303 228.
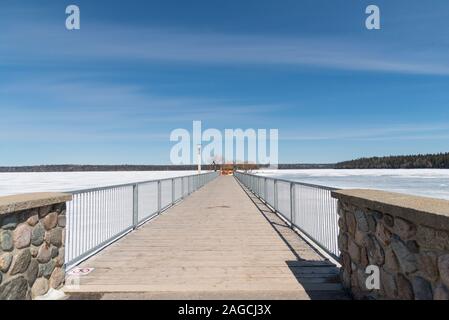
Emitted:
pixel 218 243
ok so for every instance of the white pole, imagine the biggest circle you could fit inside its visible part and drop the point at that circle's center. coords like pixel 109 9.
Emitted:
pixel 199 158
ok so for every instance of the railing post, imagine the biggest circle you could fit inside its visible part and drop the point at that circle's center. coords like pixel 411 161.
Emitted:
pixel 265 189
pixel 182 188
pixel 172 191
pixel 275 195
pixel 159 194
pixel 292 203
pixel 135 205
pixel 188 185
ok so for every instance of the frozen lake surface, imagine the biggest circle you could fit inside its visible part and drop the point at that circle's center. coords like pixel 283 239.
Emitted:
pixel 15 183
pixel 424 182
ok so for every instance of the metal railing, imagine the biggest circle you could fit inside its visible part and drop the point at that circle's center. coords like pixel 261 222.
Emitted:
pixel 99 216
pixel 308 207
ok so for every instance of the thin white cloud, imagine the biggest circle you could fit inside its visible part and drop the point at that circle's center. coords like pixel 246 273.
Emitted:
pixel 74 99
pixel 408 131
pixel 90 111
pixel 44 43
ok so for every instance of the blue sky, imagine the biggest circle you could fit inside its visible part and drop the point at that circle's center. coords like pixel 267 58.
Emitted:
pixel 113 91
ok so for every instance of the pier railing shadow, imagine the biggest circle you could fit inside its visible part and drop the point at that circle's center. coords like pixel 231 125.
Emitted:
pixel 319 277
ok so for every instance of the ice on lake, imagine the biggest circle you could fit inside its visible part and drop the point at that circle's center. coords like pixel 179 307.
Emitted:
pixel 16 183
pixel 424 182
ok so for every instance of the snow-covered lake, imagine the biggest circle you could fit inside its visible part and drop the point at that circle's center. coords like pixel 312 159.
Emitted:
pixel 424 182
pixel 15 183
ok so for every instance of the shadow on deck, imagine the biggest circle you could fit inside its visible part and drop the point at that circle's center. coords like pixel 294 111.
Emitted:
pixel 319 277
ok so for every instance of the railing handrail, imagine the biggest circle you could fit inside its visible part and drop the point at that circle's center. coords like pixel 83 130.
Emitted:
pixel 291 181
pixel 133 183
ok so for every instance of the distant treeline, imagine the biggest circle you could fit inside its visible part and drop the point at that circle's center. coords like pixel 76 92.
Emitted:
pixel 126 167
pixel 419 161
pixel 306 166
pixel 74 167
pixel 437 161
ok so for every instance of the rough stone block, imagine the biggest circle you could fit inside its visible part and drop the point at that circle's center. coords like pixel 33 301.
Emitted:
pixel 45 270
pixel 5 262
pixel 343 241
pixel 388 220
pixel 404 229
pixel 360 237
pixel 57 278
pixel 372 223
pixel 422 289
pixel 14 289
pixel 50 221
pixel 33 220
pixel 389 285
pixel 354 251
pixel 40 287
pixel 391 262
pixel 54 237
pixel 362 222
pixel 37 235
pixel 32 271
pixel 44 254
pixel 6 242
pixel 364 261
pixel 60 258
pixel 405 289
pixel 20 262
pixel 350 222
pixel 443 267
pixel 375 251
pixel 22 236
pixel 406 259
pixel 428 265
pixel 383 234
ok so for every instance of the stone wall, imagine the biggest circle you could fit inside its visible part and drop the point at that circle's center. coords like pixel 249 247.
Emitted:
pixel 32 236
pixel 407 237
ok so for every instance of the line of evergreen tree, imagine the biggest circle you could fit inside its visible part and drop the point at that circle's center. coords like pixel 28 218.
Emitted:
pixel 419 161
pixel 74 168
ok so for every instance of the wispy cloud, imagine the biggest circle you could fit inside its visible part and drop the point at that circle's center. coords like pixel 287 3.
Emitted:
pixel 57 108
pixel 404 131
pixel 48 43
pixel 61 95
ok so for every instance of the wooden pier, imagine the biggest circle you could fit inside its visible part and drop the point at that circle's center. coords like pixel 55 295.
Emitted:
pixel 218 243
